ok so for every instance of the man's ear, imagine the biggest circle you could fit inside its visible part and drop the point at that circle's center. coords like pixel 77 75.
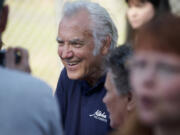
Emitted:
pixel 106 45
pixel 131 102
pixel 3 18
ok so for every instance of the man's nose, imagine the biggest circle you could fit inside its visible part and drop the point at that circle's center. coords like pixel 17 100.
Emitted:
pixel 66 52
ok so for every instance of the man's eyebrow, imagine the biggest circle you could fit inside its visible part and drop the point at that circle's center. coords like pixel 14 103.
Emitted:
pixel 77 40
pixel 58 39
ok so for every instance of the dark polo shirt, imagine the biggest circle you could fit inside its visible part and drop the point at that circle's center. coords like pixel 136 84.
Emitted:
pixel 82 109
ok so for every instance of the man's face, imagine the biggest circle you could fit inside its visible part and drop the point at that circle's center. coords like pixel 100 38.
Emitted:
pixel 116 104
pixel 155 78
pixel 76 45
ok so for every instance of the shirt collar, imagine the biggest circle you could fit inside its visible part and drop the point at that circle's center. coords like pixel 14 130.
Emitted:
pixel 88 90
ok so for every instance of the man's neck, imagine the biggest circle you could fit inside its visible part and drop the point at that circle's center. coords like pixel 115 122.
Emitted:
pixel 95 76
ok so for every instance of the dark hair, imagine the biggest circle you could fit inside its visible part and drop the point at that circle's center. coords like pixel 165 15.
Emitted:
pixel 1 4
pixel 116 62
pixel 160 35
pixel 161 6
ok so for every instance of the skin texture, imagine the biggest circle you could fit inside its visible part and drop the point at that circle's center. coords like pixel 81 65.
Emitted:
pixel 155 77
pixel 140 13
pixel 116 104
pixel 76 45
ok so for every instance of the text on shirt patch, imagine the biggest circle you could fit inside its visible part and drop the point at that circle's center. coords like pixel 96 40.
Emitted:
pixel 99 115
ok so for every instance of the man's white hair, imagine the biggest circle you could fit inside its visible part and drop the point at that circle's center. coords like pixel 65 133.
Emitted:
pixel 102 24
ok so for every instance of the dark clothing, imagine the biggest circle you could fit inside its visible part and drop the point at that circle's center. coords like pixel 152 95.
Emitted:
pixel 83 112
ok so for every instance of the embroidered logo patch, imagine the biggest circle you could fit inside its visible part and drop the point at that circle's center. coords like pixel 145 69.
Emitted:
pixel 99 116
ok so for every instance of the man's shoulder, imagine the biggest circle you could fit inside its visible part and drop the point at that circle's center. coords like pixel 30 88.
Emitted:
pixel 67 85
pixel 66 81
pixel 63 73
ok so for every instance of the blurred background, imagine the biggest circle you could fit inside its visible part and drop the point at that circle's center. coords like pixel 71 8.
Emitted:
pixel 33 24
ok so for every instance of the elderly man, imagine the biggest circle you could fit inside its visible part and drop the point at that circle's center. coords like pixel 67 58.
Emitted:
pixel 86 34
pixel 28 106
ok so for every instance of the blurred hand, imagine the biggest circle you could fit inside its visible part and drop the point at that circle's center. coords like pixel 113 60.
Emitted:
pixel 23 65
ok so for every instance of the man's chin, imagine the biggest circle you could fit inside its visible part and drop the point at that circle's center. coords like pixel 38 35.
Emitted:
pixel 73 76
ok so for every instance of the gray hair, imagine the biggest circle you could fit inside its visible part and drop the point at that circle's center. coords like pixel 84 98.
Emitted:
pixel 116 63
pixel 102 24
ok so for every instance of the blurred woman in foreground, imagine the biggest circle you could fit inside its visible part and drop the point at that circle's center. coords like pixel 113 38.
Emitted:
pixel 155 74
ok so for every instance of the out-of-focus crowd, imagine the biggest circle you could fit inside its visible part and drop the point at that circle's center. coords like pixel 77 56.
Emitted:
pixel 103 89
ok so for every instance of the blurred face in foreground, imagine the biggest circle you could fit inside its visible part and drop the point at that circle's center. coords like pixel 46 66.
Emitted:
pixel 139 13
pixel 116 104
pixel 155 77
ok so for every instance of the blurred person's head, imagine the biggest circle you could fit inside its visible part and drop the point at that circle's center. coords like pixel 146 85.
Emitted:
pixel 86 34
pixel 142 11
pixel 3 19
pixel 175 7
pixel 155 71
pixel 118 98
pixel 1 4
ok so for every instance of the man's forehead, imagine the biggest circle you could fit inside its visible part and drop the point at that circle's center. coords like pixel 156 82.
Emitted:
pixel 81 18
pixel 72 39
pixel 74 30
pixel 75 27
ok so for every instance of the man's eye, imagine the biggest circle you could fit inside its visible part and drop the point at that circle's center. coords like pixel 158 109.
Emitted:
pixel 60 43
pixel 77 44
